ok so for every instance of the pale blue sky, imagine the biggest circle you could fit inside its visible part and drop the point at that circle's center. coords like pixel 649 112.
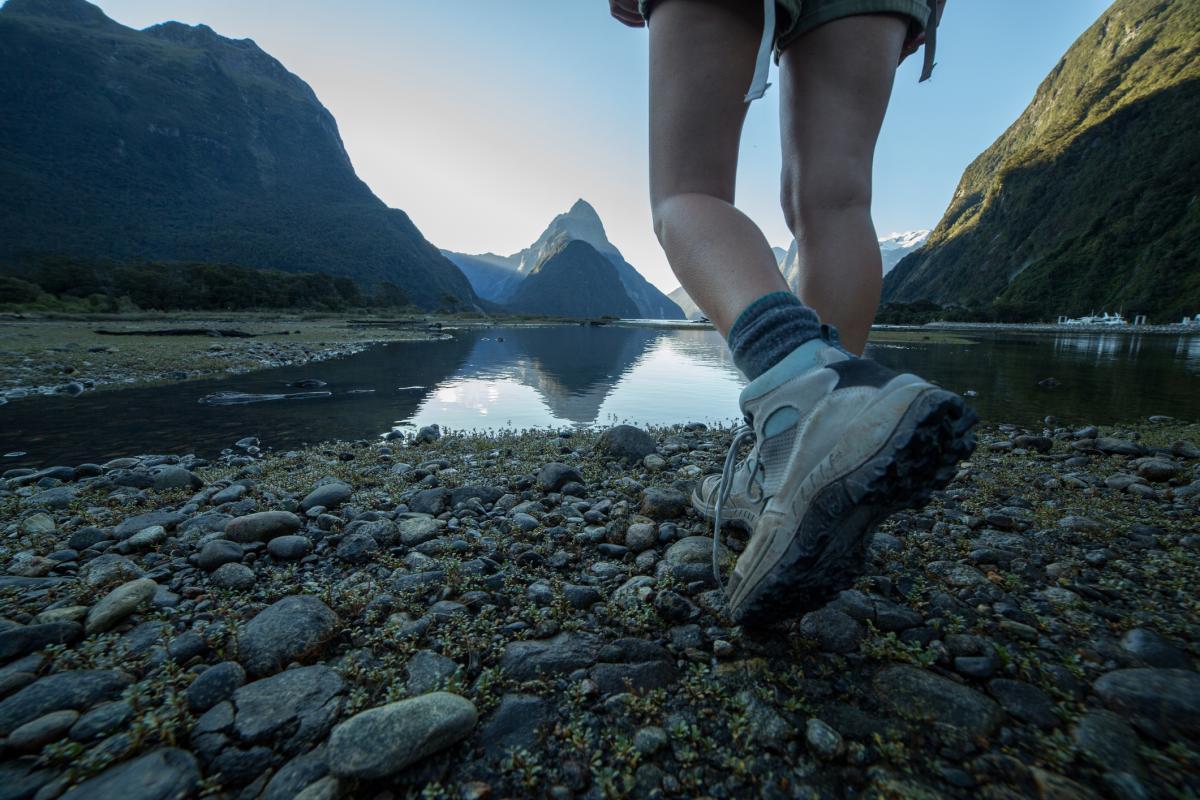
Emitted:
pixel 483 119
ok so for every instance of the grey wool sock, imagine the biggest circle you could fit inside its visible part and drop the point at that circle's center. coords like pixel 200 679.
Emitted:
pixel 768 330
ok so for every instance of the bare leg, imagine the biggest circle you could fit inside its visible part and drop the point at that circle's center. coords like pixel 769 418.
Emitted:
pixel 701 61
pixel 834 84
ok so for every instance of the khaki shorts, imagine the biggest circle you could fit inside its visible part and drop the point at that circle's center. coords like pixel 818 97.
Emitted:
pixel 794 18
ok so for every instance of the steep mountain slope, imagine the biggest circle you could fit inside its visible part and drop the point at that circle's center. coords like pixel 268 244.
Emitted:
pixel 498 278
pixel 177 144
pixel 1088 200
pixel 486 272
pixel 573 280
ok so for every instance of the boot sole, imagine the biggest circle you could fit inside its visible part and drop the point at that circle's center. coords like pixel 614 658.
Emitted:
pixel 828 549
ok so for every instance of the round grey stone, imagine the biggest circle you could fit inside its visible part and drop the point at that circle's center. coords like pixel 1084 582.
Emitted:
pixel 101 720
pixel 1107 741
pixel 554 476
pixel 86 537
pixel 229 494
pixel 107 570
pixel 626 443
pixel 1164 703
pixel 233 576
pixel 418 530
pixel 641 536
pixel 1024 701
pixel 173 477
pixel 163 774
pixel 119 604
pixel 357 548
pixel 37 523
pixel 147 538
pixel 428 671
pixel 215 684
pixel 329 495
pixel 289 548
pixel 650 739
pixel 75 689
pixel 834 631
pixel 262 526
pixel 218 552
pixel 292 629
pixel 823 739
pixel 384 740
pixel 661 503
pixel 1148 646
pixel 924 696
pixel 33 735
pixel 524 522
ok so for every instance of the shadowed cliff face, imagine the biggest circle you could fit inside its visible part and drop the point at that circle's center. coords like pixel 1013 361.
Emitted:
pixel 574 281
pixel 175 143
pixel 1088 200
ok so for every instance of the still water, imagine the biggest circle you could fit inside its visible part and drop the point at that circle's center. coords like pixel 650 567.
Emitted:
pixel 488 379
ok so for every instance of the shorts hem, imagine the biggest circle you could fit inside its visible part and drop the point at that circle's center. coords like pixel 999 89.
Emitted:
pixel 917 11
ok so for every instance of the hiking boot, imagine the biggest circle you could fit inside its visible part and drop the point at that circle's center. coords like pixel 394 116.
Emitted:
pixel 745 500
pixel 841 444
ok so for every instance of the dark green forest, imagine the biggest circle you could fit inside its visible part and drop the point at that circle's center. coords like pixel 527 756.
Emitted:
pixel 67 284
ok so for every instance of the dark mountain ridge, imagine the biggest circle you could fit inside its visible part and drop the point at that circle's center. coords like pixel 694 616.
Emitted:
pixel 499 278
pixel 177 144
pixel 573 280
pixel 1088 201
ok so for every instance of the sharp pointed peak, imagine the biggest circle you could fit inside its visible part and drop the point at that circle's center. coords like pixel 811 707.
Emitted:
pixel 582 208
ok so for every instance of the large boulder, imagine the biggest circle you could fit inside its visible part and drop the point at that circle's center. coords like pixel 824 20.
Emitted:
pixel 381 741
pixel 295 628
pixel 626 443
pixel 923 696
pixel 1164 703
pixel 262 526
pixel 167 773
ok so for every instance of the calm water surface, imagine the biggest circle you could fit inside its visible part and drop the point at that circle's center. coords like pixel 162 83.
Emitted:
pixel 487 379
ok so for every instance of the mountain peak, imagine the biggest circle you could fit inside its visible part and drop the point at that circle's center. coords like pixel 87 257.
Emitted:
pixel 236 55
pixel 906 240
pixel 78 11
pixel 580 222
pixel 582 209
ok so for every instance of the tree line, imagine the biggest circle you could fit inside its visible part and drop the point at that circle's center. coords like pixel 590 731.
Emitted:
pixel 70 284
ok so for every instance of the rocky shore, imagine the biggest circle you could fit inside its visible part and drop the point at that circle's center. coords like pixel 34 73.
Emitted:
pixel 533 615
pixel 69 357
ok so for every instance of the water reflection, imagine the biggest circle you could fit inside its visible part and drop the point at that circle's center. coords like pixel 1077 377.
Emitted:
pixel 582 376
pixel 1187 353
pixel 1104 346
pixel 574 375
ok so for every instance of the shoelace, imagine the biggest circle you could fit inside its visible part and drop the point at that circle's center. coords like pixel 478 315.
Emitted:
pixel 740 435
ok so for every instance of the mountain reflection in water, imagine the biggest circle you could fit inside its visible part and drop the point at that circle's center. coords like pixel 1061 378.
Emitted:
pixel 574 375
pixel 584 375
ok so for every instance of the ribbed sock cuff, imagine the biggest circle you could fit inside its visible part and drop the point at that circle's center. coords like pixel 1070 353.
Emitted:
pixel 768 330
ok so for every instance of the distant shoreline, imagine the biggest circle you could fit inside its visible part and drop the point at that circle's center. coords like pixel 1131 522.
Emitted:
pixel 963 327
pixel 1046 327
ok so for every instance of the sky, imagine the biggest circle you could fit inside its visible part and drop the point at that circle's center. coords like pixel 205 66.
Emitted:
pixel 484 119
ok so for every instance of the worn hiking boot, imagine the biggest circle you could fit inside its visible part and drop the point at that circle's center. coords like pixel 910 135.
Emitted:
pixel 841 443
pixel 745 500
